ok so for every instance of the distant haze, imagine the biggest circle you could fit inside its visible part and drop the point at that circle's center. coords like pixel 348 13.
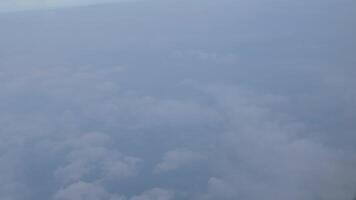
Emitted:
pixel 20 5
pixel 178 100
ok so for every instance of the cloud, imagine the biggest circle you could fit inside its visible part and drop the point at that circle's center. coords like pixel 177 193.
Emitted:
pixel 267 157
pixel 217 188
pixel 89 155
pixel 92 101
pixel 175 159
pixel 84 191
pixel 155 194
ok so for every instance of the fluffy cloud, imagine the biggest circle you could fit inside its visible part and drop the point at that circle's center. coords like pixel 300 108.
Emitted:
pixel 267 157
pixel 95 100
pixel 89 155
pixel 175 159
pixel 82 191
pixel 155 194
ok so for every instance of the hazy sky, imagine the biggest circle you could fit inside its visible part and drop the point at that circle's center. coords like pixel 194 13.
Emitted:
pixel 18 5
pixel 178 100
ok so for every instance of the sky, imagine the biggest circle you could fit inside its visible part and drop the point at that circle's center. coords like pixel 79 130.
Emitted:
pixel 178 100
pixel 22 5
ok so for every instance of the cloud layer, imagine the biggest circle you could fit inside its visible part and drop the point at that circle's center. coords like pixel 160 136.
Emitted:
pixel 173 100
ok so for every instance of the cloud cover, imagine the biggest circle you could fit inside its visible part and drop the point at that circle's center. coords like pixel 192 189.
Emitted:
pixel 140 101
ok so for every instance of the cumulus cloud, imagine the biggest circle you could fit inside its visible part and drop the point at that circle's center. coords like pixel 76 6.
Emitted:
pixel 168 100
pixel 175 159
pixel 83 191
pixel 155 194
pixel 86 158
pixel 267 157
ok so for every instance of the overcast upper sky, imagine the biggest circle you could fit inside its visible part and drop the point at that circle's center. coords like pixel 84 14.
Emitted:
pixel 178 100
pixel 18 5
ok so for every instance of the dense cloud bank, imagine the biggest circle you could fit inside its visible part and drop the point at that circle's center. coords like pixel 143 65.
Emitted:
pixel 173 100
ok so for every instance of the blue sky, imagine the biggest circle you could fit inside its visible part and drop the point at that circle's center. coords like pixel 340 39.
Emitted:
pixel 178 100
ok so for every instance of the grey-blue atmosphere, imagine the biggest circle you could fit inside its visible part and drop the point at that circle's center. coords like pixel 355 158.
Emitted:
pixel 178 100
